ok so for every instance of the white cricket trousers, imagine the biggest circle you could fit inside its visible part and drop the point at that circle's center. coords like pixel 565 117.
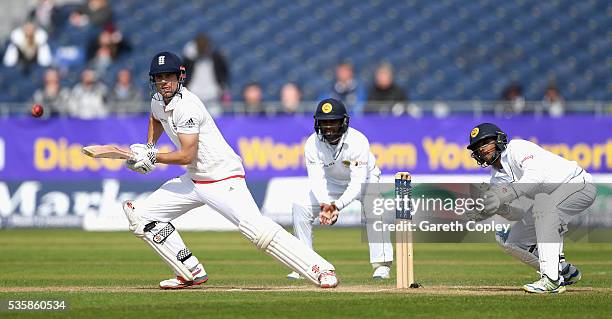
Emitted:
pixel 307 210
pixel 545 223
pixel 230 197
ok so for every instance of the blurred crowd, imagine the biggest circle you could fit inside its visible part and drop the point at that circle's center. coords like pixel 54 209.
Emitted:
pixel 208 76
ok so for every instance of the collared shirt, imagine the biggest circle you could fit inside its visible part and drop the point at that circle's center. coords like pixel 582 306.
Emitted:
pixel 347 164
pixel 186 114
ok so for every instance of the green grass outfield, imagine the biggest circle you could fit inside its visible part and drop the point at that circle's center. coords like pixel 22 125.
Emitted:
pixel 114 274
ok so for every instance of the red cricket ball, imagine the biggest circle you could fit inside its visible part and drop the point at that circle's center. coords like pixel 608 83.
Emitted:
pixel 37 110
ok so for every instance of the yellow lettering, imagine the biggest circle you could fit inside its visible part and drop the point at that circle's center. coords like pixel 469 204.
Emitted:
pixel 76 158
pixel 253 152
pixel 63 154
pixel 609 154
pixel 284 156
pixel 593 156
pixel 50 154
pixel 581 153
pixel 434 151
pixel 598 151
pixel 450 156
pixel 259 153
pixel 466 157
pixel 394 156
pixel 45 154
pixel 91 163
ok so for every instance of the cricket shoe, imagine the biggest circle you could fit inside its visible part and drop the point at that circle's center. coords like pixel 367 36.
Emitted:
pixel 328 279
pixel 199 277
pixel 294 276
pixel 382 272
pixel 571 275
pixel 545 286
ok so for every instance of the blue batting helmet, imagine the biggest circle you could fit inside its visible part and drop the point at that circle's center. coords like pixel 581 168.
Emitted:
pixel 165 62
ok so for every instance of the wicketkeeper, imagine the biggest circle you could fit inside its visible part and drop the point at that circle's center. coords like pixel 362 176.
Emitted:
pixel 540 190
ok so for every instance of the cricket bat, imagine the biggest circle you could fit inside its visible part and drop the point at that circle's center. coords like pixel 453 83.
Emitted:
pixel 107 151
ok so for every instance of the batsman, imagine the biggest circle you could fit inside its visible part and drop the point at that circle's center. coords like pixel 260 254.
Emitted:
pixel 542 192
pixel 339 165
pixel 214 177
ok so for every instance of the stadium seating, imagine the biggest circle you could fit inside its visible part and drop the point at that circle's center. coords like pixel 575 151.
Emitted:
pixel 440 49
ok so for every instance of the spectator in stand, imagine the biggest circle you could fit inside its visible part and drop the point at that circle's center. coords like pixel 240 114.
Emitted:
pixel 88 97
pixel 105 49
pixel 45 15
pixel 385 96
pixel 207 74
pixel 253 99
pixel 94 12
pixel 27 47
pixel 347 89
pixel 513 100
pixel 52 96
pixel 553 102
pixel 124 97
pixel 291 99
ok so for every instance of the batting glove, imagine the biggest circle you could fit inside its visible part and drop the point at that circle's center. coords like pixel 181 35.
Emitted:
pixel 144 159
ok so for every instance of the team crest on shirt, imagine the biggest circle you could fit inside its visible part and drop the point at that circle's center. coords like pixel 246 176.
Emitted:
pixel 326 108
pixel 474 132
pixel 354 163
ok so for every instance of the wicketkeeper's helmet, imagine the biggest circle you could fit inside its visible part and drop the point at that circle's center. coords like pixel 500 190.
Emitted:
pixel 483 132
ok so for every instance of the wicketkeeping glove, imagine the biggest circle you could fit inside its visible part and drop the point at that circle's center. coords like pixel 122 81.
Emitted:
pixel 498 196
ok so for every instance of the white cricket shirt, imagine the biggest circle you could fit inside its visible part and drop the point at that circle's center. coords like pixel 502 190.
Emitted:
pixel 531 166
pixel 346 165
pixel 186 114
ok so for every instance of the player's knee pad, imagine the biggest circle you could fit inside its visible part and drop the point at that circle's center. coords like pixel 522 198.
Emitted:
pixel 526 253
pixel 133 218
pixel 260 231
pixel 284 247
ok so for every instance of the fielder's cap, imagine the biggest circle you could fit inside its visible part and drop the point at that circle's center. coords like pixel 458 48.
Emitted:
pixel 330 109
pixel 483 131
pixel 165 62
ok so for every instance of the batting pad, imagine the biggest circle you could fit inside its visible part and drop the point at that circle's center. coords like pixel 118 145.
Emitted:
pixel 519 252
pixel 284 247
pixel 157 235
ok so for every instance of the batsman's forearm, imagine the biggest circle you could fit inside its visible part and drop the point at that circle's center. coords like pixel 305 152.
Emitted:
pixel 155 130
pixel 180 157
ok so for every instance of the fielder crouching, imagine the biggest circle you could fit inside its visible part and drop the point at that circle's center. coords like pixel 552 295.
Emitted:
pixel 339 163
pixel 540 190
pixel 214 177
